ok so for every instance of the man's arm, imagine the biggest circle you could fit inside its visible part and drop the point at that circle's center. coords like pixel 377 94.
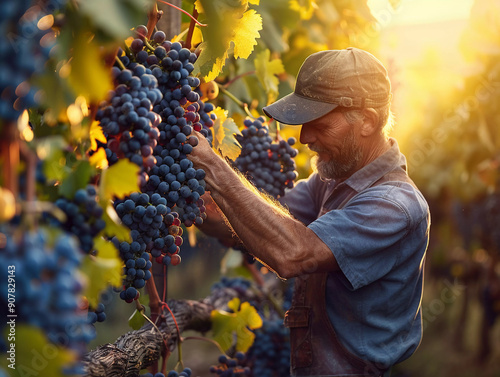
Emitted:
pixel 216 225
pixel 267 230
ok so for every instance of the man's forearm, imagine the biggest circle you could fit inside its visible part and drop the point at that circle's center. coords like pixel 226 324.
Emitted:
pixel 268 231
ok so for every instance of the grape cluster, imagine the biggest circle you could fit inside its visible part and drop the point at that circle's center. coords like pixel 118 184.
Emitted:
pixel 127 119
pixel 231 367
pixel 48 285
pixel 180 184
pixel 24 49
pixel 239 284
pixel 269 355
pixel 155 233
pixel 83 216
pixel 96 315
pixel 181 112
pixel 269 165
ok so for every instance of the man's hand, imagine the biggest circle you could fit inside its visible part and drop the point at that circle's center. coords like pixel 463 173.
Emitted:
pixel 203 155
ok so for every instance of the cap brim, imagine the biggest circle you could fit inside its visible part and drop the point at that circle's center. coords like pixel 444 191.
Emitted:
pixel 294 109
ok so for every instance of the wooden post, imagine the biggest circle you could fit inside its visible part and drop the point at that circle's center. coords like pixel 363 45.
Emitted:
pixel 170 22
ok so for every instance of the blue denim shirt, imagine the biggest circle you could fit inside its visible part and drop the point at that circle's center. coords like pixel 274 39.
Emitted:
pixel 379 238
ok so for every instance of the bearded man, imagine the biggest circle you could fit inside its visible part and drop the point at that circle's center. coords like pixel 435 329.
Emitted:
pixel 354 234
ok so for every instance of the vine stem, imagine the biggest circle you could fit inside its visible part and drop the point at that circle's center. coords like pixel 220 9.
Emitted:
pixel 189 36
pixel 255 274
pixel 241 104
pixel 207 340
pixel 260 282
pixel 226 85
pixel 153 17
pixel 120 63
pixel 183 11
pixel 9 150
pixel 154 298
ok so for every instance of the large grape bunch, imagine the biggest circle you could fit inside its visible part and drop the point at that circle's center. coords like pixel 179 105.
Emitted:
pixel 181 112
pixel 156 235
pixel 269 165
pixel 24 49
pixel 48 285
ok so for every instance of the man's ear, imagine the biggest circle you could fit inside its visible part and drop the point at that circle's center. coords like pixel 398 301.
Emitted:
pixel 370 124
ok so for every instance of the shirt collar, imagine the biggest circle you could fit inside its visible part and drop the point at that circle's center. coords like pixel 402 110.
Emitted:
pixel 375 170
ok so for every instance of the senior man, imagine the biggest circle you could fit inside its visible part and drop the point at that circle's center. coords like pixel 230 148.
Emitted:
pixel 354 234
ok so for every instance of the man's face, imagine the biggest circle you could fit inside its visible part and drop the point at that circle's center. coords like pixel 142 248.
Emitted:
pixel 334 141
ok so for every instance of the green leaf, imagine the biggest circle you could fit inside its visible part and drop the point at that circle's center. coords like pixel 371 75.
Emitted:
pixel 50 151
pixel 113 224
pixel 89 76
pixel 103 270
pixel 77 179
pixel 115 17
pixel 35 355
pixel 224 130
pixel 266 70
pixel 231 260
pixel 227 325
pixel 119 180
pixel 227 22
pixel 136 320
pixel 60 94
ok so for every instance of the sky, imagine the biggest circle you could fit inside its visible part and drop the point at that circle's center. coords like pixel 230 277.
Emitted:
pixel 420 11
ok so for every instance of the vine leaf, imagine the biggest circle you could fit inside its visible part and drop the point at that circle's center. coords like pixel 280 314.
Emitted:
pixel 99 159
pixel 266 71
pixel 136 320
pixel 227 23
pixel 113 226
pixel 305 8
pixel 224 130
pixel 226 325
pixel 103 270
pixel 119 180
pixel 88 75
pixel 34 353
pixel 96 135
pixel 77 179
pixel 125 15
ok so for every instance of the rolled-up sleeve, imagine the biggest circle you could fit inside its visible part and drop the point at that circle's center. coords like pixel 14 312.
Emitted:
pixel 366 235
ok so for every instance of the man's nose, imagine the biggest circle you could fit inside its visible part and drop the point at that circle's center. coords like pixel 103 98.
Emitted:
pixel 306 135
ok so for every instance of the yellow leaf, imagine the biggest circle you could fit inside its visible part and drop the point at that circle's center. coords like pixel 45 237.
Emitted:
pixel 198 6
pixel 88 75
pixel 305 8
pixel 224 130
pixel 234 304
pixel 99 159
pixel 226 325
pixel 218 129
pixel 247 32
pixel 114 228
pixel 266 71
pixel 102 271
pixel 227 22
pixel 96 135
pixel 255 2
pixel 119 180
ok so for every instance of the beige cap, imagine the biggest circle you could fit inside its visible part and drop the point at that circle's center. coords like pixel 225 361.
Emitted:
pixel 350 78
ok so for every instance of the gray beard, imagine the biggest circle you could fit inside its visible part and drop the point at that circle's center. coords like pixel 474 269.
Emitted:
pixel 344 165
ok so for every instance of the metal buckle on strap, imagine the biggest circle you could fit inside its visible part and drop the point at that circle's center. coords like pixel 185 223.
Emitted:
pixel 297 316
